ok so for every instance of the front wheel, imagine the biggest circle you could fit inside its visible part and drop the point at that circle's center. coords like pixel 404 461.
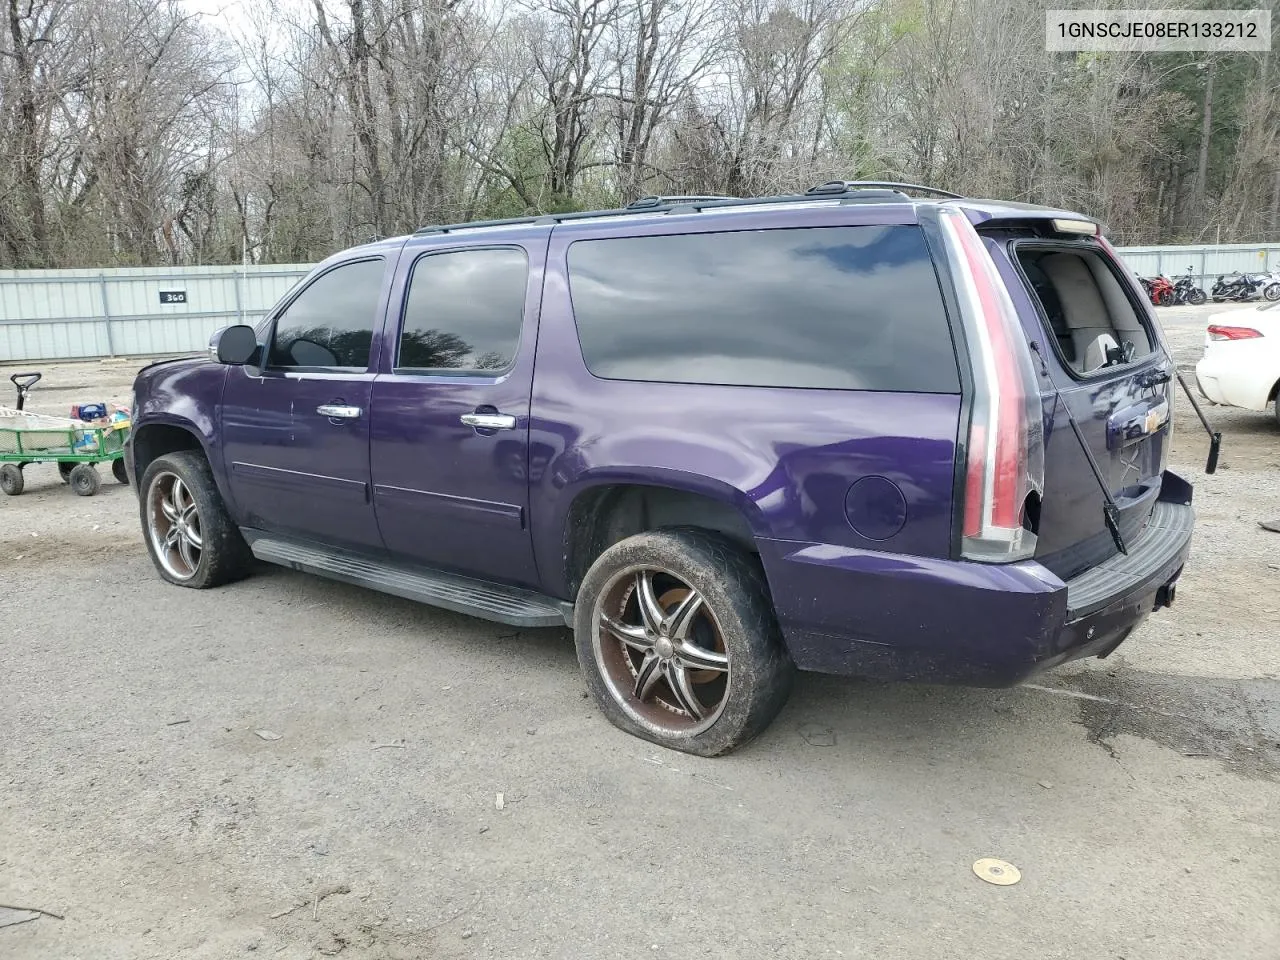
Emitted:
pixel 85 480
pixel 1165 298
pixel 678 641
pixel 192 540
pixel 1271 291
pixel 119 472
pixel 11 480
pixel 1196 296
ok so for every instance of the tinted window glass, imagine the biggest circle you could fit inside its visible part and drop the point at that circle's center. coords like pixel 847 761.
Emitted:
pixel 464 310
pixel 843 307
pixel 330 324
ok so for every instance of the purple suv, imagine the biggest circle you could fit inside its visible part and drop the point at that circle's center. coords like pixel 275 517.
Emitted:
pixel 854 431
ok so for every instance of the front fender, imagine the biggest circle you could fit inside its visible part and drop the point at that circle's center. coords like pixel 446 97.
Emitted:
pixel 183 395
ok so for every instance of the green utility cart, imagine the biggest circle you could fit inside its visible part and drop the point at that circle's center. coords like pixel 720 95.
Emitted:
pixel 76 447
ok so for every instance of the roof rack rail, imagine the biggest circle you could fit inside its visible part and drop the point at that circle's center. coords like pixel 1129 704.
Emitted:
pixel 833 187
pixel 842 191
pixel 540 218
pixel 645 203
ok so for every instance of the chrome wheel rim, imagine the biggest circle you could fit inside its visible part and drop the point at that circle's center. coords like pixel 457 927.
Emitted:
pixel 173 524
pixel 661 651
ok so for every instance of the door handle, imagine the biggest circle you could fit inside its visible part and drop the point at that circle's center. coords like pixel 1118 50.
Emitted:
pixel 336 411
pixel 489 421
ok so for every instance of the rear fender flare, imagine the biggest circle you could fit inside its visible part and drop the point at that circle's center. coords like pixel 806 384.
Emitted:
pixel 557 537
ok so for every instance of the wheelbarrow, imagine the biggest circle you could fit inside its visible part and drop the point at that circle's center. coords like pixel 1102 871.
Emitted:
pixel 76 447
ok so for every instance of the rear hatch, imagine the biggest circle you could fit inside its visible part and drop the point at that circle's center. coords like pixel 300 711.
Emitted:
pixel 1102 361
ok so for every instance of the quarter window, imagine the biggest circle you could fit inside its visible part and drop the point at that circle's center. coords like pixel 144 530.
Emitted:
pixel 855 308
pixel 330 323
pixel 464 311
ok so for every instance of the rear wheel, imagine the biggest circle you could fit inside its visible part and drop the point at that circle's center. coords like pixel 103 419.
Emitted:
pixel 11 480
pixel 119 472
pixel 64 471
pixel 678 642
pixel 85 480
pixel 192 540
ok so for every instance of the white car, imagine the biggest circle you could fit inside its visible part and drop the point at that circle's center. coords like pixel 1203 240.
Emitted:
pixel 1241 362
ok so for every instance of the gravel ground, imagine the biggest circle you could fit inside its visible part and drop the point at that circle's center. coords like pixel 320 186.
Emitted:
pixel 294 768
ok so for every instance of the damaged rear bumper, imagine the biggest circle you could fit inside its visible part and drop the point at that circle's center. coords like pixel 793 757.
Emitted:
pixel 1106 603
pixel 896 617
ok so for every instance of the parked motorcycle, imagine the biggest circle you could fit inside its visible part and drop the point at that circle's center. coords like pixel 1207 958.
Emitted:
pixel 1160 290
pixel 1186 291
pixel 1271 284
pixel 1240 287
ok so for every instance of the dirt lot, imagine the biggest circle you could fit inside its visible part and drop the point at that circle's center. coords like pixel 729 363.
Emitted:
pixel 293 768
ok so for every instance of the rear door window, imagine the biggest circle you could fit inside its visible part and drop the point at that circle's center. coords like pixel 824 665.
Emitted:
pixel 1093 321
pixel 854 308
pixel 464 311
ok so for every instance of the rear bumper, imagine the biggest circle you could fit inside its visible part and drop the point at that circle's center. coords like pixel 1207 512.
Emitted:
pixel 1238 381
pixel 893 617
pixel 1104 604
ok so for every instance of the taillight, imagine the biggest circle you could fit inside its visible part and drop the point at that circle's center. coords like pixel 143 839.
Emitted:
pixel 1218 332
pixel 1004 470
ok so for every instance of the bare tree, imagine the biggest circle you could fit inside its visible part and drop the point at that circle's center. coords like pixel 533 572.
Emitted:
pixel 34 72
pixel 663 48
pixel 565 42
pixel 131 133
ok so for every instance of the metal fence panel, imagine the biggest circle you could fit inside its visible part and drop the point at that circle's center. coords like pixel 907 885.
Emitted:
pixel 1206 263
pixel 73 314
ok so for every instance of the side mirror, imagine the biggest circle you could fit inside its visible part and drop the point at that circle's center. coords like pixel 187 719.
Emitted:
pixel 236 345
pixel 308 353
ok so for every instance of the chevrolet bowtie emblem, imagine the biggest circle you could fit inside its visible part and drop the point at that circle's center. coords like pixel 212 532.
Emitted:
pixel 1156 417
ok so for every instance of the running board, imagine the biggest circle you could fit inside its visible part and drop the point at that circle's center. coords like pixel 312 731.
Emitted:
pixel 478 598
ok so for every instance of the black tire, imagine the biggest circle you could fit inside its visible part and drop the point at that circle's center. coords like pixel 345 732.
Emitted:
pixel 734 609
pixel 1271 292
pixel 1166 298
pixel 119 472
pixel 64 471
pixel 223 555
pixel 1196 296
pixel 11 479
pixel 85 480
